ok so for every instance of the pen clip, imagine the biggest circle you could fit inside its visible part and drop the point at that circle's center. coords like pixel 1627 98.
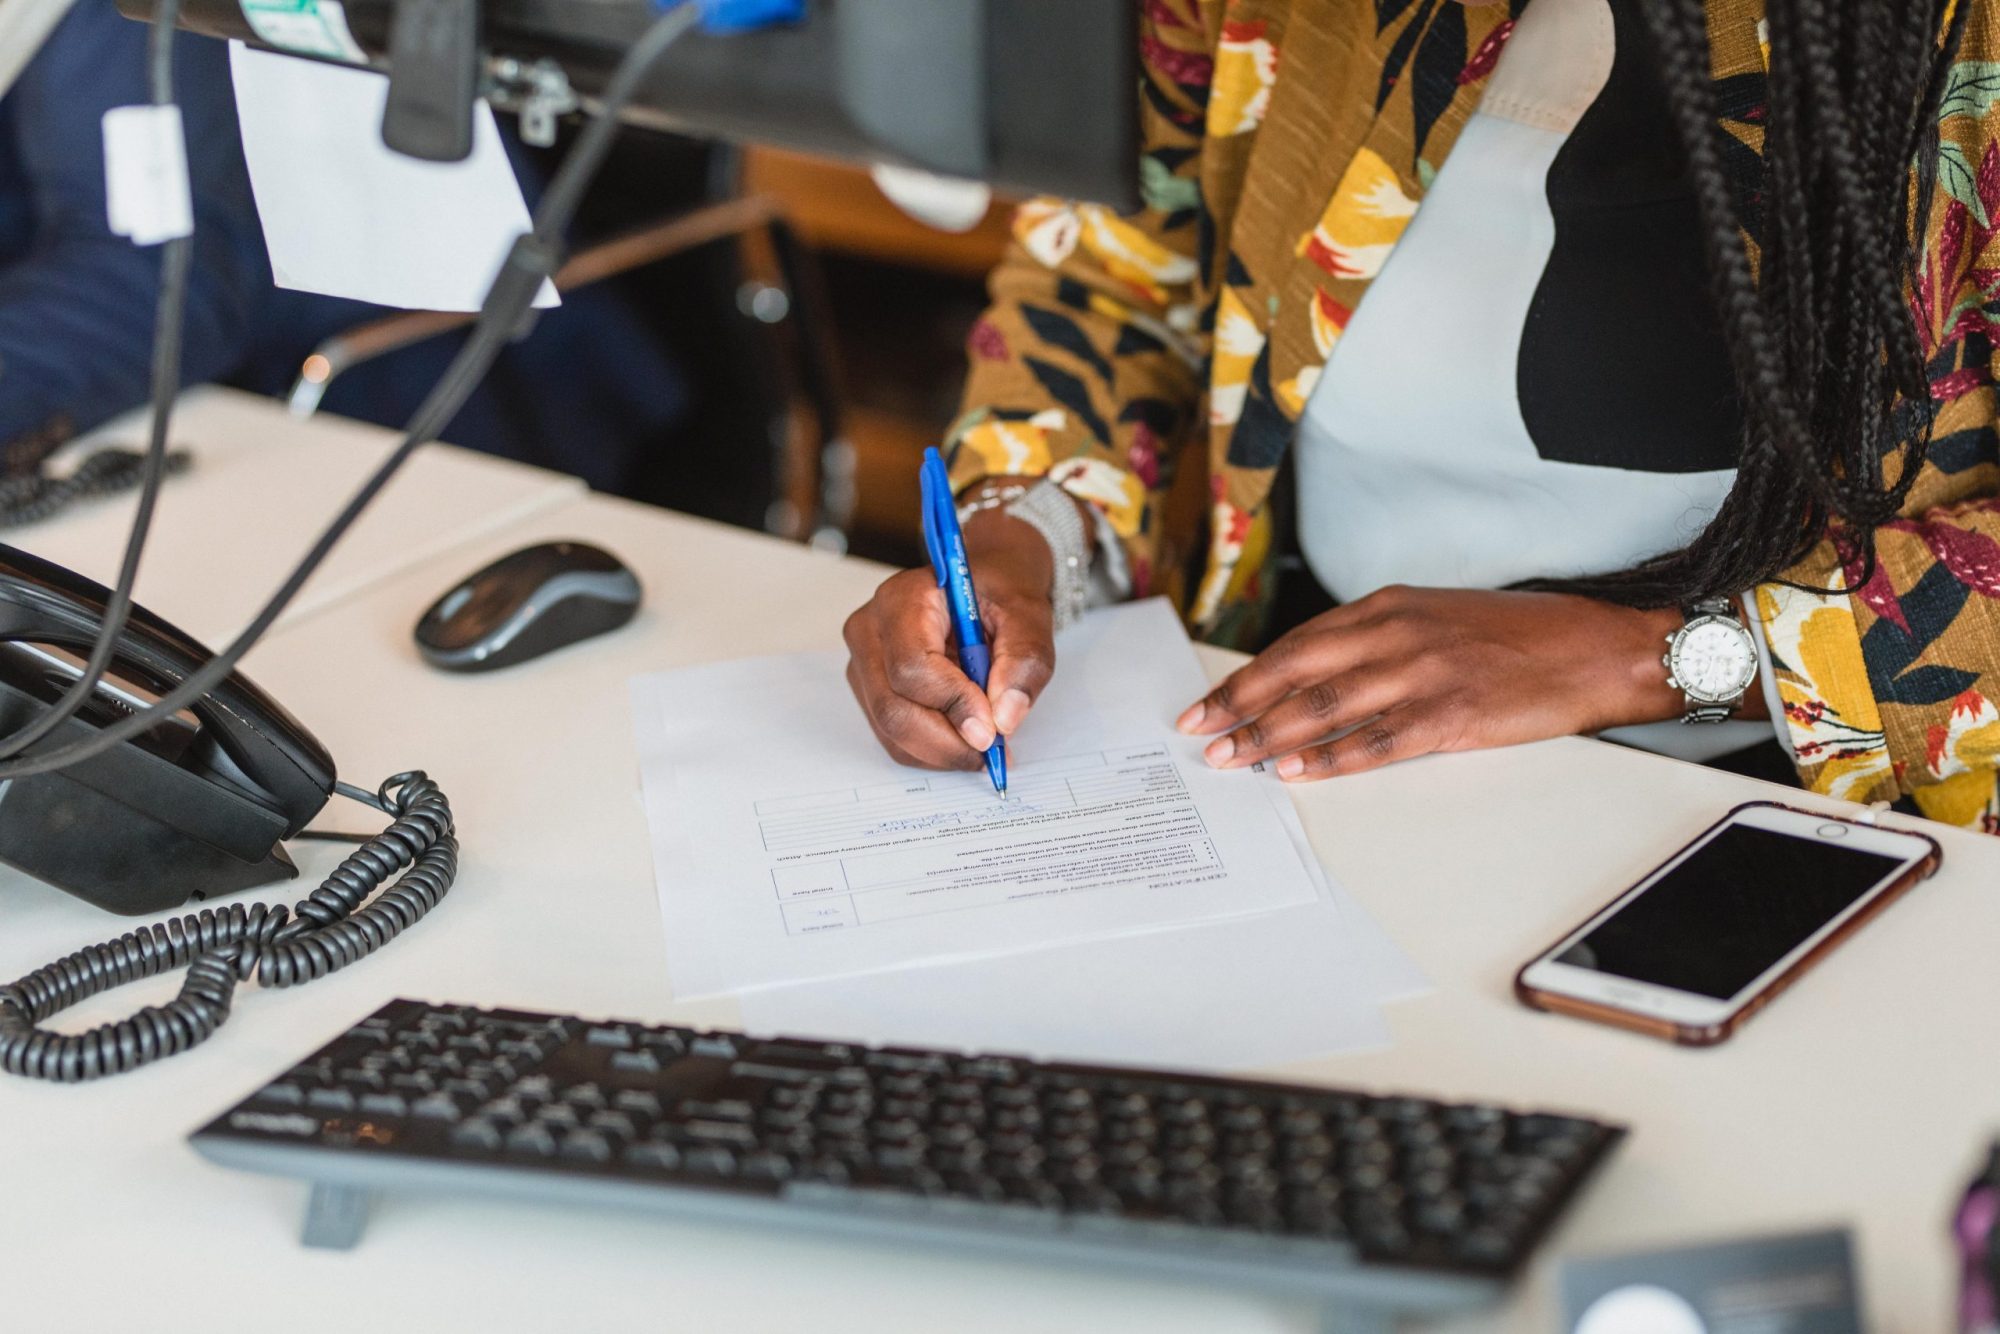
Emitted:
pixel 934 491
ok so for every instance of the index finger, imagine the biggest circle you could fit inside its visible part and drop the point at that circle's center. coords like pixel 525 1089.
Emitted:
pixel 1295 661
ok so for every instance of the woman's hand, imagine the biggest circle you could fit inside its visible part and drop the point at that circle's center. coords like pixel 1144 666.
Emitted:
pixel 903 667
pixel 1417 670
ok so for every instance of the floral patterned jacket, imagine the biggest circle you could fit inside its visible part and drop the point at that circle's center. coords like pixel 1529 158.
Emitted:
pixel 1288 143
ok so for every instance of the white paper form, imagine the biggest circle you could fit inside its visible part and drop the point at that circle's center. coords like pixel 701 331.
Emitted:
pixel 815 856
pixel 344 215
pixel 1244 994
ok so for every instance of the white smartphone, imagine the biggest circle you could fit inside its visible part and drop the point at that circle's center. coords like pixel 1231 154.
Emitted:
pixel 1731 920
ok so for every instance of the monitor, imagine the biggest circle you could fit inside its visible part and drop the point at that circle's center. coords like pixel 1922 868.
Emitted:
pixel 1033 96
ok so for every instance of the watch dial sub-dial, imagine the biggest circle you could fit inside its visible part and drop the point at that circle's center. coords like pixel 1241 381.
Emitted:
pixel 1714 661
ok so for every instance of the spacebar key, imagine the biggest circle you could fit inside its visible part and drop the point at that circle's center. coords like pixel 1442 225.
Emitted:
pixel 790 1074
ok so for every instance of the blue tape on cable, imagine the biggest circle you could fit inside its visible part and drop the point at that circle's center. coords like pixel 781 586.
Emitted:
pixel 727 16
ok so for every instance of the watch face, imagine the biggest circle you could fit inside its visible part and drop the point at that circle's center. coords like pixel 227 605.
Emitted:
pixel 1714 660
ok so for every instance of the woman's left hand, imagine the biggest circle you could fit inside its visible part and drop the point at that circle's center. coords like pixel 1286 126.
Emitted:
pixel 1417 670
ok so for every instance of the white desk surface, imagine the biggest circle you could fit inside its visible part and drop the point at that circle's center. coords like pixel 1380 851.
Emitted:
pixel 261 487
pixel 1863 1098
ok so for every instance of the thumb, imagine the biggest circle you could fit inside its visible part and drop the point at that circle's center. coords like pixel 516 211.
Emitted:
pixel 1022 632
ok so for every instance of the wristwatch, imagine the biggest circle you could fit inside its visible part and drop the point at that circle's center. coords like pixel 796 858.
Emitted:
pixel 1711 660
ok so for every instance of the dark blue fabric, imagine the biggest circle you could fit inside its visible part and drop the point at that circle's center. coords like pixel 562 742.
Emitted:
pixel 588 392
pixel 76 302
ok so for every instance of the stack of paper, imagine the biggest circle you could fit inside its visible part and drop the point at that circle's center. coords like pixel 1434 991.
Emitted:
pixel 1125 903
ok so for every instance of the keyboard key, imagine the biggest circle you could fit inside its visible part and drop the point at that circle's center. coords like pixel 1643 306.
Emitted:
pixel 438 1107
pixel 477 1134
pixel 896 1159
pixel 797 1056
pixel 613 1123
pixel 608 1037
pixel 654 1156
pixel 706 1160
pixel 534 1139
pixel 330 1100
pixel 894 1129
pixel 636 1062
pixel 281 1094
pixel 907 1059
pixel 587 1146
pixel 385 1104
pixel 717 1132
pixel 1483 1246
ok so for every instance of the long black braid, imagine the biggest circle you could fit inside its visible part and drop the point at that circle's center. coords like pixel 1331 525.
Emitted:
pixel 1828 359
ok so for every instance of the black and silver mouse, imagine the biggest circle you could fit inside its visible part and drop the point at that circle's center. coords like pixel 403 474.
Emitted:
pixel 532 602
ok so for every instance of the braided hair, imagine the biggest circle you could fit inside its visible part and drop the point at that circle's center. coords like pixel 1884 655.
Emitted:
pixel 1827 355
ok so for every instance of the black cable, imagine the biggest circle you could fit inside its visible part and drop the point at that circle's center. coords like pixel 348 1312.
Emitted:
pixel 168 319
pixel 221 947
pixel 533 259
pixel 336 924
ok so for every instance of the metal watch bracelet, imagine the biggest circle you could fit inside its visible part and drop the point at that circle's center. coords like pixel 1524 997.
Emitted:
pixel 1048 509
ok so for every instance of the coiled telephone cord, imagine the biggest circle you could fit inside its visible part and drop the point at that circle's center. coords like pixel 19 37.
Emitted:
pixel 222 947
pixel 27 498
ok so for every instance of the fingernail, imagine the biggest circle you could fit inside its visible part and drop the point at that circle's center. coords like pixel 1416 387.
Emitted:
pixel 1219 750
pixel 1011 709
pixel 1291 766
pixel 978 733
pixel 1191 720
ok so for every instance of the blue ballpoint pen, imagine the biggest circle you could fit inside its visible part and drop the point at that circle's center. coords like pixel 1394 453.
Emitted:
pixel 946 543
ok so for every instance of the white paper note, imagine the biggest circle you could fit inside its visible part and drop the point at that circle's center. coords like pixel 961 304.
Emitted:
pixel 819 857
pixel 344 215
pixel 146 191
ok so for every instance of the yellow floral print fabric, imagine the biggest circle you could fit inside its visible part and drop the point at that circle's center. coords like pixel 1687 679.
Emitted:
pixel 1287 146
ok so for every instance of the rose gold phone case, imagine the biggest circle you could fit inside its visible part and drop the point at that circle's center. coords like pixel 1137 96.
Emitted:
pixel 1708 1035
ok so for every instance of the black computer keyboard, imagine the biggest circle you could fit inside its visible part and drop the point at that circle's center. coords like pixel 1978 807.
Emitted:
pixel 1313 1188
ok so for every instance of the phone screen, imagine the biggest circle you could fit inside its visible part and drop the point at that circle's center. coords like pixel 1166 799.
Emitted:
pixel 1739 904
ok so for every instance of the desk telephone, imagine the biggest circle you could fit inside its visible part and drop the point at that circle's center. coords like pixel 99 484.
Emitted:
pixel 197 806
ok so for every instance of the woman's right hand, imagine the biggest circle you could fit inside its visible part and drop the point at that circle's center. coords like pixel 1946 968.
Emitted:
pixel 903 665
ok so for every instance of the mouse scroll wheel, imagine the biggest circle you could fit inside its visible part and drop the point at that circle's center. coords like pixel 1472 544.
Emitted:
pixel 454 602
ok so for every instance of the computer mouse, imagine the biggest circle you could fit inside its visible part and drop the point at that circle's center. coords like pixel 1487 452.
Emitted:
pixel 523 605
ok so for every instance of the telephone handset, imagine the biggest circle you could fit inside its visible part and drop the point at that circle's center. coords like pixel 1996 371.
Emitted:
pixel 193 808
pixel 196 806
